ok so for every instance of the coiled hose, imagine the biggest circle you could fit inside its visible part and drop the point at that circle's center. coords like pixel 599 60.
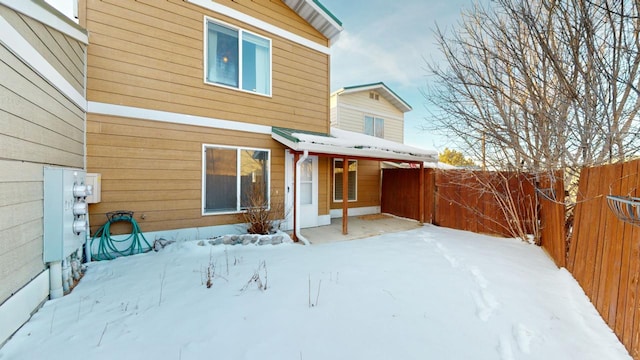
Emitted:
pixel 108 248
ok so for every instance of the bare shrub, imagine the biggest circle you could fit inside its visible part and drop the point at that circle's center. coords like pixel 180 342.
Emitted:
pixel 262 216
pixel 257 279
pixel 499 200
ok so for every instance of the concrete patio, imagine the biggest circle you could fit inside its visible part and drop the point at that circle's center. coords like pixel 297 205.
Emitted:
pixel 359 227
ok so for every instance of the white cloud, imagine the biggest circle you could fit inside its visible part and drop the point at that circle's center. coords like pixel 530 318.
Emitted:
pixel 389 44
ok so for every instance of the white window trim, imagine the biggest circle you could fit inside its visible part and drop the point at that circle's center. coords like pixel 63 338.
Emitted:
pixel 21 47
pixel 240 30
pixel 238 177
pixel 374 125
pixel 334 180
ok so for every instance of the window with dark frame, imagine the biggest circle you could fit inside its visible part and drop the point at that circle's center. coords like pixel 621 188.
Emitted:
pixel 231 175
pixel 338 172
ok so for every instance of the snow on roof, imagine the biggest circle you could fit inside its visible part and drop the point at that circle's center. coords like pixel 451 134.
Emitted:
pixel 349 143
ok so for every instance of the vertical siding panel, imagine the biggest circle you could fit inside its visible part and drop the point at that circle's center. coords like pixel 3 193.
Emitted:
pixel 630 178
pixel 577 248
pixel 612 247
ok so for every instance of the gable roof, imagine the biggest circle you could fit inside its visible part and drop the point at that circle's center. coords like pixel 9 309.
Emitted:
pixel 317 15
pixel 382 89
pixel 347 143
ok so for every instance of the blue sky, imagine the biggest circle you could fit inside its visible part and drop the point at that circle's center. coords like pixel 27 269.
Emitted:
pixel 388 40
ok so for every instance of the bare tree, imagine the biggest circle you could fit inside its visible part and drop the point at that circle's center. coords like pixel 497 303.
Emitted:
pixel 541 85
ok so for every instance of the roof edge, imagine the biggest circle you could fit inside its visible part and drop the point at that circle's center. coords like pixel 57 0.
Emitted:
pixel 373 86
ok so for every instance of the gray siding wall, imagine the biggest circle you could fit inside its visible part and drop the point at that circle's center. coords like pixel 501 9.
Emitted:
pixel 39 126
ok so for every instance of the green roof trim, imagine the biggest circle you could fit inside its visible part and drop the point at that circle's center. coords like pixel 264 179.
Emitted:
pixel 287 133
pixel 326 11
pixel 355 87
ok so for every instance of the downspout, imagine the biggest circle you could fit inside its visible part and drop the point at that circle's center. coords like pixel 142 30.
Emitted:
pixel 304 157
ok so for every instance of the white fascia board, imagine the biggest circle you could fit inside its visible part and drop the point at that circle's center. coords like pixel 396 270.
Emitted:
pixel 17 44
pixel 284 141
pixel 235 14
pixel 176 118
pixel 17 310
pixel 366 153
pixel 339 151
pixel 37 12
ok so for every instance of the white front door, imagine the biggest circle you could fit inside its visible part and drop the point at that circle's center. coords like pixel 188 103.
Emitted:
pixel 308 195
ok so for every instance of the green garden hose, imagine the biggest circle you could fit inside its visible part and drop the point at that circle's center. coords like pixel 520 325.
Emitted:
pixel 108 249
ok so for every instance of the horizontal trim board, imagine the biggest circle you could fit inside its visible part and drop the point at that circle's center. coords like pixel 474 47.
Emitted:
pixel 359 211
pixel 370 111
pixel 176 118
pixel 17 44
pixel 17 310
pixel 232 13
pixel 38 12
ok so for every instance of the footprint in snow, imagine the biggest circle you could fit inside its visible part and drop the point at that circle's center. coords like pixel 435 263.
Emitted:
pixel 447 255
pixel 523 337
pixel 486 304
pixel 504 348
pixel 478 277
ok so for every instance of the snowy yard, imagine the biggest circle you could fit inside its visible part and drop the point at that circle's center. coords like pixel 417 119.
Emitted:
pixel 430 293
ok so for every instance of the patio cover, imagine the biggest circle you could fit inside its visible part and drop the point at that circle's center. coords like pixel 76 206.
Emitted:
pixel 353 145
pixel 347 145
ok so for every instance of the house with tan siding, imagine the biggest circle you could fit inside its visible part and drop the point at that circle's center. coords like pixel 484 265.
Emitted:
pixel 182 98
pixel 188 102
pixel 42 120
pixel 371 109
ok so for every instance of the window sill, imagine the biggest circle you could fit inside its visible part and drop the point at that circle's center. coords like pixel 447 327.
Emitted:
pixel 237 89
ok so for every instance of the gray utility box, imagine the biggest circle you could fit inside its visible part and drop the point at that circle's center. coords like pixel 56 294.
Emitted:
pixel 65 212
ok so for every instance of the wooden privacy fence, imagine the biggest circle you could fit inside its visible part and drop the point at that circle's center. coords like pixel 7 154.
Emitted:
pixel 482 202
pixel 604 252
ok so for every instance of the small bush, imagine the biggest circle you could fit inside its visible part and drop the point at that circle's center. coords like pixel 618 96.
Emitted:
pixel 261 218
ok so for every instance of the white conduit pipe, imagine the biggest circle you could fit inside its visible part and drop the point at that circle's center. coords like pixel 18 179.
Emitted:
pixel 304 157
pixel 55 280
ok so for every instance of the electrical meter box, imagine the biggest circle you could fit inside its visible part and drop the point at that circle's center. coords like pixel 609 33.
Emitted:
pixel 65 212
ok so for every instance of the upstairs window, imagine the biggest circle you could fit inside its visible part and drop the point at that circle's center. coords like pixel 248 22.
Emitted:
pixel 237 58
pixel 374 126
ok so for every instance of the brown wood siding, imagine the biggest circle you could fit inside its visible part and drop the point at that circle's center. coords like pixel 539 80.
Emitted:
pixel 368 186
pixel 155 169
pixel 149 54
pixel 279 14
pixel 401 193
pixel 324 179
pixel 64 53
pixel 553 237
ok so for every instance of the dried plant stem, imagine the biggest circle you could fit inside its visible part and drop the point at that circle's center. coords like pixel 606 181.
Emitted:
pixel 103 331
pixel 164 273
pixel 318 294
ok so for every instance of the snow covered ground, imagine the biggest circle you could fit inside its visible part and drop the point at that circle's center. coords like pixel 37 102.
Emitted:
pixel 430 293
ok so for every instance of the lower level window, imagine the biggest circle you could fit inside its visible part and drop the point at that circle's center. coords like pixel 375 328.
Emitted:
pixel 234 178
pixel 338 173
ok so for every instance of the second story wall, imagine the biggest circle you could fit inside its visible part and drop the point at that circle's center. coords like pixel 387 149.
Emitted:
pixel 350 110
pixel 150 54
